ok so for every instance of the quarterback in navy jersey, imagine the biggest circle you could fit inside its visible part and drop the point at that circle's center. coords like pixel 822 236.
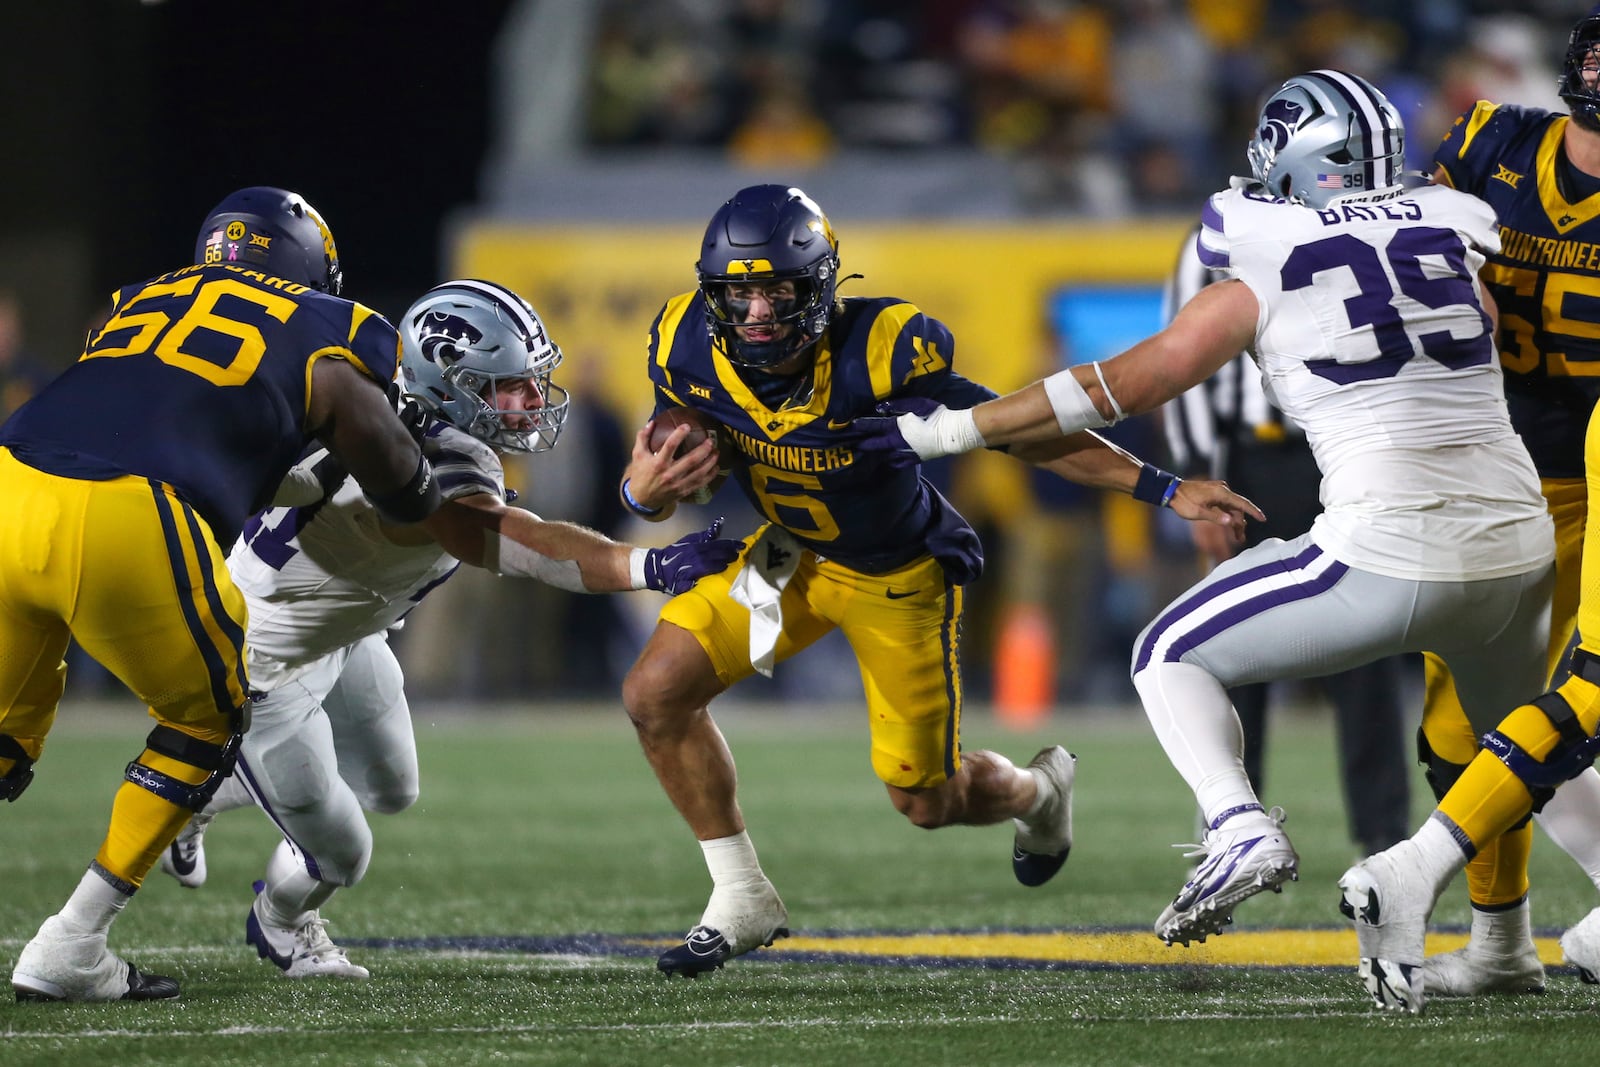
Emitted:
pixel 126 477
pixel 767 349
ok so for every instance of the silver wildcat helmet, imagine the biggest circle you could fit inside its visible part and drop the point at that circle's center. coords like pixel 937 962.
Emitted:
pixel 1326 136
pixel 459 341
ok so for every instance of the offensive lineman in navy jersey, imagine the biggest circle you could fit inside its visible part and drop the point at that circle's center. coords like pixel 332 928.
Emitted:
pixel 766 349
pixel 126 479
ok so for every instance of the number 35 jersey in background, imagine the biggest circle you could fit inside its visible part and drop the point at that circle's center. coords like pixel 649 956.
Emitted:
pixel 1372 338
pixel 797 464
pixel 1545 277
pixel 200 380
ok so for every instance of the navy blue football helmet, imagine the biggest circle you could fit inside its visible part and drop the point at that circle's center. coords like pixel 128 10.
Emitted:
pixel 769 233
pixel 273 231
pixel 1582 97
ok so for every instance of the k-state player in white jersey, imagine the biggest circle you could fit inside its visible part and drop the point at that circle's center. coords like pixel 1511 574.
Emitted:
pixel 1361 303
pixel 326 578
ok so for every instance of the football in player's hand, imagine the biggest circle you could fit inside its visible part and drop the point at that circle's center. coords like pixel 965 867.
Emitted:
pixel 701 427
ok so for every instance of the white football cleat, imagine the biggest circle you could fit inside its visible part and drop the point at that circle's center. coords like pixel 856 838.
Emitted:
pixel 1044 841
pixel 736 920
pixel 1500 957
pixel 1581 946
pixel 1389 901
pixel 61 964
pixel 1246 855
pixel 185 858
pixel 303 951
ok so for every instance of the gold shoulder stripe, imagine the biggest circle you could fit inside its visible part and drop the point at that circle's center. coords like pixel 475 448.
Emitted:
pixel 359 313
pixel 886 329
pixel 671 319
pixel 1479 119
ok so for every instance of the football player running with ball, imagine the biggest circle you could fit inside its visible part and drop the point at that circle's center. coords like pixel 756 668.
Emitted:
pixel 1361 302
pixel 126 478
pixel 327 577
pixel 767 348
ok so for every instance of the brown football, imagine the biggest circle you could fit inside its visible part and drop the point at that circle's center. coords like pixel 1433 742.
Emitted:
pixel 670 419
pixel 702 426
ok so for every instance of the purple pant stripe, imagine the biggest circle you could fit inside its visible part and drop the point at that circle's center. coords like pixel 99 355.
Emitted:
pixel 1255 605
pixel 243 768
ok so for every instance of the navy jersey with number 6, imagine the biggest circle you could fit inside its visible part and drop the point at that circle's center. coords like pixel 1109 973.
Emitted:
pixel 220 355
pixel 797 464
pixel 1545 277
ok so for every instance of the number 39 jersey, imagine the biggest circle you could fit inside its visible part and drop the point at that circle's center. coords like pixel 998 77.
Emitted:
pixel 1545 277
pixel 324 576
pixel 201 380
pixel 1372 337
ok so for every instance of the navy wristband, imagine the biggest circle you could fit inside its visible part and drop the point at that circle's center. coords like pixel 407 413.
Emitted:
pixel 633 505
pixel 1155 486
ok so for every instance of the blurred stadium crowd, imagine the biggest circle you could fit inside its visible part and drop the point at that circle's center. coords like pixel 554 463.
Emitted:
pixel 1101 106
pixel 1083 108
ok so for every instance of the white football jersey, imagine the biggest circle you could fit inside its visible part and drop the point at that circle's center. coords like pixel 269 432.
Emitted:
pixel 320 577
pixel 1372 337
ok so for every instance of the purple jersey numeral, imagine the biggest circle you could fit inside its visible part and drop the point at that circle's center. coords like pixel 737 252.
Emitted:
pixel 1373 304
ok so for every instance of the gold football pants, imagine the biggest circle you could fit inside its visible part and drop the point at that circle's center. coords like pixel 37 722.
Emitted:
pixel 135 576
pixel 904 628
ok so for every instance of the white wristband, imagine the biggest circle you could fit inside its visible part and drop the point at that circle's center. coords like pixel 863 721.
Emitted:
pixel 636 568
pixel 943 433
pixel 1070 401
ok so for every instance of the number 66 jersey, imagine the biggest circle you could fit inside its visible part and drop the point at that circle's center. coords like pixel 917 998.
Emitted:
pixel 1372 337
pixel 199 380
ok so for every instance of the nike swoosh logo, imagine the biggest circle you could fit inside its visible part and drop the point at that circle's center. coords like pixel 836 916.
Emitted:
pixel 893 595
pixel 179 863
pixel 837 424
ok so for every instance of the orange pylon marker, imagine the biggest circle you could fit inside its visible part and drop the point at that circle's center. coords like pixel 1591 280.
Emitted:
pixel 1024 668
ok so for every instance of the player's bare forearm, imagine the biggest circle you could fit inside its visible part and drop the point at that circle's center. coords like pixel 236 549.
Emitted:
pixel 481 531
pixel 351 415
pixel 1089 459
pixel 1085 458
pixel 1211 329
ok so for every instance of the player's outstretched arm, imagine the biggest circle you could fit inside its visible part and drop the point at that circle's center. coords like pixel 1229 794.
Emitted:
pixel 1091 460
pixel 1218 324
pixel 481 531
pixel 351 415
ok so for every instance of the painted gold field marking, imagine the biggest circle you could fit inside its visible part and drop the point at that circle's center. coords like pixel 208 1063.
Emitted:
pixel 1271 948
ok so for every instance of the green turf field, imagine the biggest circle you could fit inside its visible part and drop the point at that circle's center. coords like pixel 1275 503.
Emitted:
pixel 513 916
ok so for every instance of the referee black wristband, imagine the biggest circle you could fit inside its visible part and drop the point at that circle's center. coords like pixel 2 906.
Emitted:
pixel 1155 486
